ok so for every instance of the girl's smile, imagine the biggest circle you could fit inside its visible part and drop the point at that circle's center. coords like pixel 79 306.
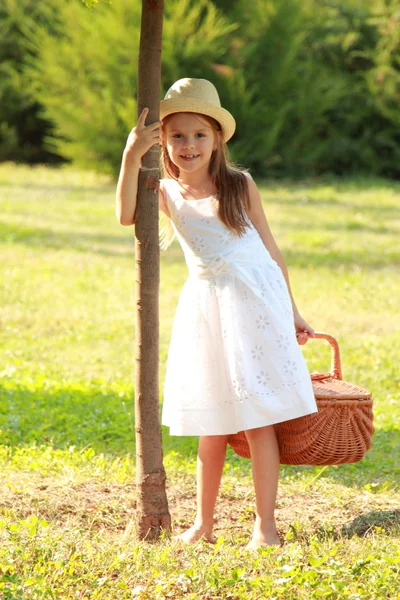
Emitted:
pixel 189 157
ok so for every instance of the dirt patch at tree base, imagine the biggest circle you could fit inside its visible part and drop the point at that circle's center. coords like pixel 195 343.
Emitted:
pixel 324 510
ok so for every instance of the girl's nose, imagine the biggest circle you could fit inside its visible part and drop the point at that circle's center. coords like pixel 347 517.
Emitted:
pixel 188 143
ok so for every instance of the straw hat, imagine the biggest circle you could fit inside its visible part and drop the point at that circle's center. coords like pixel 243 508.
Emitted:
pixel 199 96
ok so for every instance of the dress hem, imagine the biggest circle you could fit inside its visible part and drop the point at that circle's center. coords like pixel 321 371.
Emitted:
pixel 196 433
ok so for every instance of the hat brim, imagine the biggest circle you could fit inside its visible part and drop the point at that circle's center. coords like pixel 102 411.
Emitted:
pixel 177 105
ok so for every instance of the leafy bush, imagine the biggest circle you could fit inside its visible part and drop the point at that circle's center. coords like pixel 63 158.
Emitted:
pixel 306 89
pixel 86 75
pixel 280 95
pixel 22 126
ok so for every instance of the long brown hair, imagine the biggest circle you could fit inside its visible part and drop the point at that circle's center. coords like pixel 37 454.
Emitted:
pixel 229 180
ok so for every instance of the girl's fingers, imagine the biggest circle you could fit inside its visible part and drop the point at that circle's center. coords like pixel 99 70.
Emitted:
pixel 147 129
pixel 142 118
pixel 154 126
pixel 302 337
pixel 155 137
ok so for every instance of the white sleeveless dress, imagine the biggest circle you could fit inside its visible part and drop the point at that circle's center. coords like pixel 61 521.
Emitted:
pixel 233 361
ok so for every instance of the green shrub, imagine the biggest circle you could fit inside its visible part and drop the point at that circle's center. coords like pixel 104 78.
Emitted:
pixel 280 95
pixel 86 76
pixel 22 126
pixel 305 87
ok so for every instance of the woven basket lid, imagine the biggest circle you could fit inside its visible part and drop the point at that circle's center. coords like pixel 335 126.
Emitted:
pixel 326 387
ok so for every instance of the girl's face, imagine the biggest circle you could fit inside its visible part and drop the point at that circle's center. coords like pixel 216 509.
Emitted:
pixel 190 141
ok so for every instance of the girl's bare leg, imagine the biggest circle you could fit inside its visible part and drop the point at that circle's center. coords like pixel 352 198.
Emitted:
pixel 210 463
pixel 265 468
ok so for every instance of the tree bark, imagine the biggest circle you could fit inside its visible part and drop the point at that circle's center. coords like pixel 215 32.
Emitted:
pixel 152 515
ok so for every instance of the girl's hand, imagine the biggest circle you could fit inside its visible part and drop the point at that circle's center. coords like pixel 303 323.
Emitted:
pixel 303 329
pixel 143 137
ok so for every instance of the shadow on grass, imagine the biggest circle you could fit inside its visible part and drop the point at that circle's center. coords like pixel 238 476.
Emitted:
pixel 67 416
pixel 50 188
pixel 379 469
pixel 387 520
pixel 354 183
pixel 90 417
pixel 87 243
pixel 101 244
pixel 40 237
pixel 351 259
pixel 348 225
pixel 382 210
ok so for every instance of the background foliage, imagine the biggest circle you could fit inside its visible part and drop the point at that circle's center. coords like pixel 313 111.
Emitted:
pixel 314 86
pixel 22 122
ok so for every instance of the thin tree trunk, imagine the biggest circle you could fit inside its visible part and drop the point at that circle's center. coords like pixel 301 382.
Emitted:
pixel 152 514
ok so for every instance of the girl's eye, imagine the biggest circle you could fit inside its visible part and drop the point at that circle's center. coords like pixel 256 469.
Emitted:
pixel 179 135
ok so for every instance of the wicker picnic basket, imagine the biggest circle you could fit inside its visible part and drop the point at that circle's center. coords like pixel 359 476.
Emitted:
pixel 341 430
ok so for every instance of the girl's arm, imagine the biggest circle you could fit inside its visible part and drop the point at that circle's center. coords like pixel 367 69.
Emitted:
pixel 259 220
pixel 139 141
pixel 127 189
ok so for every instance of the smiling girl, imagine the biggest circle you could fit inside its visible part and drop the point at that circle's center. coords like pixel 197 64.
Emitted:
pixel 234 362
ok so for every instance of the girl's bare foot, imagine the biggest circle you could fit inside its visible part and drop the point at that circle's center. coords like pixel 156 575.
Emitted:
pixel 196 533
pixel 263 540
pixel 264 534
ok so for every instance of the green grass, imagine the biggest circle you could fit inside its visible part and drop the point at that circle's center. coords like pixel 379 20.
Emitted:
pixel 67 496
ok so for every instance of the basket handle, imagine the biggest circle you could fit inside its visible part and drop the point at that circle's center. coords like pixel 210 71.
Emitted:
pixel 336 369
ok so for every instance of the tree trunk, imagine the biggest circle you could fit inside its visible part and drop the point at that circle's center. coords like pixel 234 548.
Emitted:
pixel 152 514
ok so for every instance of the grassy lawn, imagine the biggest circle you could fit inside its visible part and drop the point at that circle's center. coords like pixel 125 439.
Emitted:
pixel 67 495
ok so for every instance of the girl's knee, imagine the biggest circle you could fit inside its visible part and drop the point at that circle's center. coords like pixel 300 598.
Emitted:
pixel 260 432
pixel 213 441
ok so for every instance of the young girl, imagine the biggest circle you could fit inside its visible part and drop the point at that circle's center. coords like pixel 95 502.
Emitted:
pixel 234 362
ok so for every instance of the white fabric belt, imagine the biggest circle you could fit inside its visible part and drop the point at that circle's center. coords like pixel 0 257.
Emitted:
pixel 231 263
pixel 242 263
